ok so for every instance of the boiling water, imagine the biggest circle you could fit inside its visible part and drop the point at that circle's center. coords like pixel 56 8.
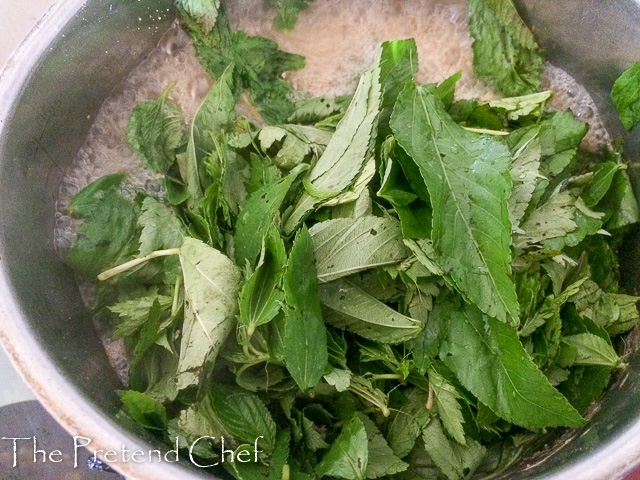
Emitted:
pixel 339 40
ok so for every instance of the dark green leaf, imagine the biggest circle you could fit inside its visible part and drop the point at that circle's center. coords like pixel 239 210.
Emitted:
pixel 407 423
pixel 261 296
pixel 348 306
pixel 489 361
pixel 305 341
pixel 161 228
pixel 505 53
pixel 156 128
pixel 145 410
pixel 244 415
pixel 348 456
pixel 258 215
pixel 455 461
pixel 108 234
pixel 626 96
pixel 468 179
pixel 592 350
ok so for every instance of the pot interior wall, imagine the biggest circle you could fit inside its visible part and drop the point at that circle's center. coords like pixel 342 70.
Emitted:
pixel 593 41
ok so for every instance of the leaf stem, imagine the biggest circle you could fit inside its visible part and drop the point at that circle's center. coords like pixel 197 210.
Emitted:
pixel 385 376
pixel 176 295
pixel 112 272
pixel 486 131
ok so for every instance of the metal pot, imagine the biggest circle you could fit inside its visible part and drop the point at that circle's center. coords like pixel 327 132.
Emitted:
pixel 55 84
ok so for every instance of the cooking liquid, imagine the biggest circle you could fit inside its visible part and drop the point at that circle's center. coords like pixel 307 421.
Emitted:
pixel 339 40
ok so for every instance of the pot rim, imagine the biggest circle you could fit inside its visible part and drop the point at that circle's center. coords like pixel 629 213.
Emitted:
pixel 57 393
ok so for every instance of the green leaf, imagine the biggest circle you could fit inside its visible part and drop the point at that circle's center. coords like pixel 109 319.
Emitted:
pixel 305 341
pixel 488 359
pixel 398 66
pixel 467 176
pixel 344 246
pixel 626 96
pixel 161 228
pixel 108 234
pixel 449 409
pixel 382 460
pixel 259 65
pixel 135 312
pixel 156 128
pixel 348 456
pixel 309 111
pixel 592 350
pixel 288 11
pixel 243 415
pixel 408 422
pixel 455 461
pixel 291 145
pixel 258 215
pixel 339 378
pixel 261 296
pixel 524 174
pixel 211 284
pixel 215 113
pixel 205 12
pixel 603 175
pixel 514 108
pixel 145 410
pixel 347 152
pixel 348 306
pixel 505 53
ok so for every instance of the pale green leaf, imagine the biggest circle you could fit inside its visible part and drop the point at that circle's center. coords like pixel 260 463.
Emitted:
pixel 211 284
pixel 161 228
pixel 455 461
pixel 340 378
pixel 204 12
pixel 293 144
pixel 345 246
pixel 347 152
pixel 449 409
pixel 348 306
pixel 592 350
pixel 348 456
pixel 524 173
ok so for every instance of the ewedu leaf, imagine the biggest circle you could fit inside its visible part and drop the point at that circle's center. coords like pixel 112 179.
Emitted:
pixel 305 340
pixel 348 456
pixel 488 359
pixel 468 179
pixel 344 246
pixel 505 53
pixel 347 151
pixel 211 283
pixel 348 306
pixel 626 96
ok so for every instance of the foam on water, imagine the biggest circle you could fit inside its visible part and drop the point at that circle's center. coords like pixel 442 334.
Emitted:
pixel 339 40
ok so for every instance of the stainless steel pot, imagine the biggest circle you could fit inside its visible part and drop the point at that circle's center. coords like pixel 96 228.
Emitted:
pixel 52 88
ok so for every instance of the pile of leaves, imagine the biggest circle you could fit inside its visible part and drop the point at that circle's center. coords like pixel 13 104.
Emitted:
pixel 394 284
